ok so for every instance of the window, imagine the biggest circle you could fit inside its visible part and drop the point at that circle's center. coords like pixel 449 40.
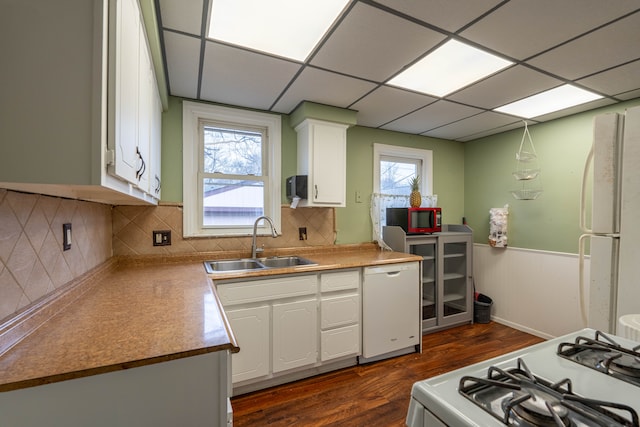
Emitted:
pixel 231 170
pixel 394 167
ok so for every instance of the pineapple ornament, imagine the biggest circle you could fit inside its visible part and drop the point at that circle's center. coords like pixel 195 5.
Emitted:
pixel 415 199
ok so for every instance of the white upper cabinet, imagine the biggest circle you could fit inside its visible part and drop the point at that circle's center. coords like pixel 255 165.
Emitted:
pixel 322 156
pixel 83 119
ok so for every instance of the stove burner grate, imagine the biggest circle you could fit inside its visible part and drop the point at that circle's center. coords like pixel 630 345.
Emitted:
pixel 604 355
pixel 516 397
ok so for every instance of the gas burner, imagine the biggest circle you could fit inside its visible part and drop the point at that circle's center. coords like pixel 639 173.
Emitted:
pixel 605 355
pixel 516 397
pixel 532 405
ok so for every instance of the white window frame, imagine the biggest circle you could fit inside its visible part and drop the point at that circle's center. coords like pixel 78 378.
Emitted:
pixel 426 157
pixel 192 149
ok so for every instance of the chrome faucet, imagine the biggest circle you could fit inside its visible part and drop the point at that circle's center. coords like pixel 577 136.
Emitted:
pixel 274 233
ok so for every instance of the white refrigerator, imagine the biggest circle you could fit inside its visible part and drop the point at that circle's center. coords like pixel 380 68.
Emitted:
pixel 614 279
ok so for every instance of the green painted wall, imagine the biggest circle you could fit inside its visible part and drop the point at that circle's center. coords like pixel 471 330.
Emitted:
pixel 469 178
pixel 551 221
pixel 353 221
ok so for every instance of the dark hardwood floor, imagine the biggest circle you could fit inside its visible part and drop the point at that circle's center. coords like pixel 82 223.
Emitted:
pixel 376 394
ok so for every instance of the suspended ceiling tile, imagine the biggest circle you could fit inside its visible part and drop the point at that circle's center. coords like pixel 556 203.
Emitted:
pixel 183 58
pixel 183 15
pixel 615 81
pixel 507 86
pixel 386 104
pixel 246 79
pixel 614 44
pixel 375 45
pixel 523 28
pixel 323 87
pixel 432 116
pixel 450 15
pixel 629 95
pixel 514 125
pixel 483 122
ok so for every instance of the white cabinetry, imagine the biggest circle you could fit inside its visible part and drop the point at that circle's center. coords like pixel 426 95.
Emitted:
pixel 84 121
pixel 340 314
pixel 295 336
pixel 251 326
pixel 322 156
pixel 292 326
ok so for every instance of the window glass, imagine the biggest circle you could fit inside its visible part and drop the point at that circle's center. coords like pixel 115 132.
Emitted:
pixel 396 174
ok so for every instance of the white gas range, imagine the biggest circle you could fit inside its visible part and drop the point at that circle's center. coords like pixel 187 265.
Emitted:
pixel 477 395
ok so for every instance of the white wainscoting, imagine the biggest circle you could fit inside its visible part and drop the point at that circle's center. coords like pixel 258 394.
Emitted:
pixel 533 291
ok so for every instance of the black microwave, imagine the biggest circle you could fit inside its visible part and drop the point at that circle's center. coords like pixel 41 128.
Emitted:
pixel 416 220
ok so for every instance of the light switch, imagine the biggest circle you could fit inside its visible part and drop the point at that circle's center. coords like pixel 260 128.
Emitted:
pixel 66 236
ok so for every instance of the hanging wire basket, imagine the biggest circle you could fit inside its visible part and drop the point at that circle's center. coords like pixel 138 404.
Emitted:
pixel 527 169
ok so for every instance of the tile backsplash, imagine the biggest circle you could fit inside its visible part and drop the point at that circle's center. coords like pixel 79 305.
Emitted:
pixel 32 261
pixel 133 227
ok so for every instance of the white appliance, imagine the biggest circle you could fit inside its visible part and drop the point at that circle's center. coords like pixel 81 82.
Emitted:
pixel 391 311
pixel 614 288
pixel 438 401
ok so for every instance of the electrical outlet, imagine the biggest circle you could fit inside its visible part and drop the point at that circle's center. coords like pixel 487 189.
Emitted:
pixel 161 237
pixel 302 233
pixel 358 196
pixel 66 236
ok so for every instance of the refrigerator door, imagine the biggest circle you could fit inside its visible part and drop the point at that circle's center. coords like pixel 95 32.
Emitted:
pixel 602 289
pixel 629 264
pixel 605 210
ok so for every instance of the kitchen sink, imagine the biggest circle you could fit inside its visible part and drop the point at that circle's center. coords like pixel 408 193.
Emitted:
pixel 232 265
pixel 285 261
pixel 250 264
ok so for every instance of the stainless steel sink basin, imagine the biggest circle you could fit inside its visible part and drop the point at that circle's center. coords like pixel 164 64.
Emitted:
pixel 250 264
pixel 232 265
pixel 285 261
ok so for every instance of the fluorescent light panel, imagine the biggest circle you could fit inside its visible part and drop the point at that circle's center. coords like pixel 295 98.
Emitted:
pixel 287 28
pixel 549 101
pixel 450 67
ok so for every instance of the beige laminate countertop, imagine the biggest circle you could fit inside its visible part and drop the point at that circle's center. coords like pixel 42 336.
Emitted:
pixel 142 312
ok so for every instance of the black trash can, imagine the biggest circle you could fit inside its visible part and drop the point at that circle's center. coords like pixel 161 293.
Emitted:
pixel 482 309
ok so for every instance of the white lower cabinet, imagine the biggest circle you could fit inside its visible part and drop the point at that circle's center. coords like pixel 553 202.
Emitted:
pixel 251 327
pixel 292 325
pixel 295 334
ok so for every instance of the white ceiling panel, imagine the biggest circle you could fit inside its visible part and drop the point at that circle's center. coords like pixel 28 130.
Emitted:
pixel 374 45
pixel 432 116
pixel 612 45
pixel 183 15
pixel 183 57
pixel 522 28
pixel 473 125
pixel 591 43
pixel 450 15
pixel 616 81
pixel 322 87
pixel 238 77
pixel 388 103
pixel 510 85
pixel 493 131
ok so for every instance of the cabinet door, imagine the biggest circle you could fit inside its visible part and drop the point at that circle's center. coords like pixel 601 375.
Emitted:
pixel 295 334
pixel 145 116
pixel 127 57
pixel 251 328
pixel 456 290
pixel 427 249
pixel 155 176
pixel 329 165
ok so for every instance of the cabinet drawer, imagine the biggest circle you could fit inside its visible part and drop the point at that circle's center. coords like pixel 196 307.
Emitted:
pixel 340 342
pixel 339 280
pixel 266 289
pixel 339 311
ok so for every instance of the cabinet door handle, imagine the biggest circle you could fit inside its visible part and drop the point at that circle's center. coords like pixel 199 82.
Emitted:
pixel 142 166
pixel 158 185
pixel 316 188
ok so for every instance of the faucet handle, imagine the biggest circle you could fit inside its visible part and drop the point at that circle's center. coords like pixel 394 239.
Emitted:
pixel 260 250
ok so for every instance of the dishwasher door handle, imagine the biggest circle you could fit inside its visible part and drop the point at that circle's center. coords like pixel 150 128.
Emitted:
pixel 393 273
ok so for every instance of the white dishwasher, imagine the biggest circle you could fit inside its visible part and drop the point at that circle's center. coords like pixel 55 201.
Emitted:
pixel 390 311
